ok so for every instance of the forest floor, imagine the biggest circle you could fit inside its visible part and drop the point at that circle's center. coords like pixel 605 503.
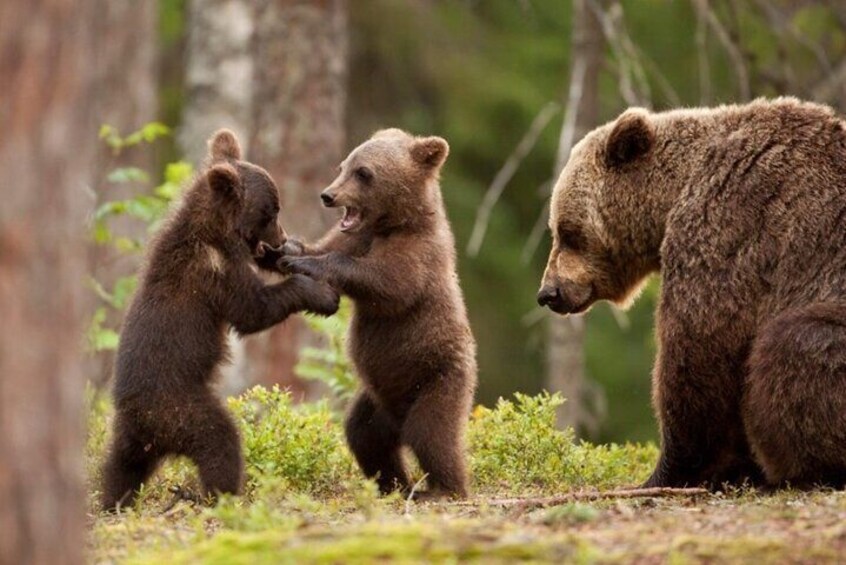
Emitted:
pixel 787 527
pixel 305 502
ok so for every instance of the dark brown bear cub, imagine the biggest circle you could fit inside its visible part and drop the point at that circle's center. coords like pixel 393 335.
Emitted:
pixel 199 282
pixel 393 253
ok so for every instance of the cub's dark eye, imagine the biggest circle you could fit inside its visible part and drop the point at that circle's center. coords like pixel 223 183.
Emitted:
pixel 363 174
pixel 571 238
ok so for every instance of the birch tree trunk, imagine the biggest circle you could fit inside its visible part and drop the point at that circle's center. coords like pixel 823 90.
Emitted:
pixel 274 71
pixel 565 338
pixel 48 62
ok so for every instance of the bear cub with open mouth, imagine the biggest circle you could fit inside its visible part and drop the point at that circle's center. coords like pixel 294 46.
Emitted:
pixel 393 254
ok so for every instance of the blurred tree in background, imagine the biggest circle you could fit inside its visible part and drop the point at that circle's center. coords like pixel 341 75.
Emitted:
pixel 303 82
pixel 274 72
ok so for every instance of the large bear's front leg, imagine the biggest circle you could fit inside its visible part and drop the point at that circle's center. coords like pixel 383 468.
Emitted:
pixel 697 387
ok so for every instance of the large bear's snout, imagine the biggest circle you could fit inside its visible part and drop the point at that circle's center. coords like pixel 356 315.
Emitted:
pixel 548 295
pixel 567 297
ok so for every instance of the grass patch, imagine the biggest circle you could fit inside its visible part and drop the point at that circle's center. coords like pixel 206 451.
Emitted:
pixel 306 502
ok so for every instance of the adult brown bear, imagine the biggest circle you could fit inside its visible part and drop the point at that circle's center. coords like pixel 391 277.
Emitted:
pixel 742 209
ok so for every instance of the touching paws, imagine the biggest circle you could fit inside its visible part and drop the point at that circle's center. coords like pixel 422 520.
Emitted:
pixel 293 247
pixel 309 266
pixel 321 298
pixel 267 257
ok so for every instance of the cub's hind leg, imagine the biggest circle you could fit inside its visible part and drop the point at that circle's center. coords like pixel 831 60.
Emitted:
pixel 131 460
pixel 435 429
pixel 210 439
pixel 374 439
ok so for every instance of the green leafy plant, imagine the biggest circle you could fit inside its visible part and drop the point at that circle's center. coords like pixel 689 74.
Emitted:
pixel 301 446
pixel 330 364
pixel 149 207
pixel 299 450
pixel 516 444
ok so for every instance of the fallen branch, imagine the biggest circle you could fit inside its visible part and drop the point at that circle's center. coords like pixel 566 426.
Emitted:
pixel 658 492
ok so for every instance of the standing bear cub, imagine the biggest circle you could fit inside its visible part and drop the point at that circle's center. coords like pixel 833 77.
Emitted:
pixel 393 253
pixel 199 282
pixel 742 209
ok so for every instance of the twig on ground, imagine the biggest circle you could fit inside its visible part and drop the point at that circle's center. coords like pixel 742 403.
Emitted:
pixel 657 492
pixel 180 494
pixel 411 494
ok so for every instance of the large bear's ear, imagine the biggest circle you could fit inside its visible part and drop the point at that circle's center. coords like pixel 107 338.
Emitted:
pixel 431 152
pixel 225 183
pixel 632 137
pixel 223 146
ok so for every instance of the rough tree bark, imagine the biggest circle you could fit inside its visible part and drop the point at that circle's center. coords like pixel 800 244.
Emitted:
pixel 298 135
pixel 275 72
pixel 565 338
pixel 48 62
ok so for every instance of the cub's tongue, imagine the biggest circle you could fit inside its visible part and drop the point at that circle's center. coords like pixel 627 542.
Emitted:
pixel 351 218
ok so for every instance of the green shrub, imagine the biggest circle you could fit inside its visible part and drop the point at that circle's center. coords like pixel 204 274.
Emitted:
pixel 149 207
pixel 301 445
pixel 516 444
pixel 330 364
pixel 299 450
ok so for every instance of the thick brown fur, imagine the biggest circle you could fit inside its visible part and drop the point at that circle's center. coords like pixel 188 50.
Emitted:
pixel 199 282
pixel 742 209
pixel 410 338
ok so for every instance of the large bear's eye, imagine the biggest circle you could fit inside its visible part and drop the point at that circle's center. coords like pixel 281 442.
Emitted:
pixel 571 238
pixel 363 174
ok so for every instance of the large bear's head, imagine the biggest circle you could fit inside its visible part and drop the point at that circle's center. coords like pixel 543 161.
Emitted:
pixel 386 182
pixel 603 245
pixel 248 191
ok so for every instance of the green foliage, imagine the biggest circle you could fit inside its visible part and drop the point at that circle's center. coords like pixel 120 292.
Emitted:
pixel 330 364
pixel 516 444
pixel 299 450
pixel 148 133
pixel 148 207
pixel 300 445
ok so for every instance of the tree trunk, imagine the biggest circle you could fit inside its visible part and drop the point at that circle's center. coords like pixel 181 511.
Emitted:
pixel 48 62
pixel 298 135
pixel 565 339
pixel 275 72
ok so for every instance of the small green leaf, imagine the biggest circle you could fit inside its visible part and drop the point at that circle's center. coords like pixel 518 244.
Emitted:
pixel 128 174
pixel 101 233
pixel 127 245
pixel 123 290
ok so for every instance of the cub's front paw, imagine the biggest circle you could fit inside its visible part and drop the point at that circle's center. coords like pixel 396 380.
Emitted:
pixel 267 257
pixel 293 248
pixel 322 298
pixel 308 266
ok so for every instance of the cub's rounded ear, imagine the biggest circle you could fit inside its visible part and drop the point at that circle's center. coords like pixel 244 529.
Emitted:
pixel 632 136
pixel 224 181
pixel 223 145
pixel 430 151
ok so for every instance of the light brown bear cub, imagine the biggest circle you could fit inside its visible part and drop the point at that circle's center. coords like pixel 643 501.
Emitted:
pixel 742 209
pixel 393 254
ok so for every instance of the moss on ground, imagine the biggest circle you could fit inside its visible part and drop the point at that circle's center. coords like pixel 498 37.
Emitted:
pixel 305 503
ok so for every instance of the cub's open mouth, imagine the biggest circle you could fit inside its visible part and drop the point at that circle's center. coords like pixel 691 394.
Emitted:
pixel 351 219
